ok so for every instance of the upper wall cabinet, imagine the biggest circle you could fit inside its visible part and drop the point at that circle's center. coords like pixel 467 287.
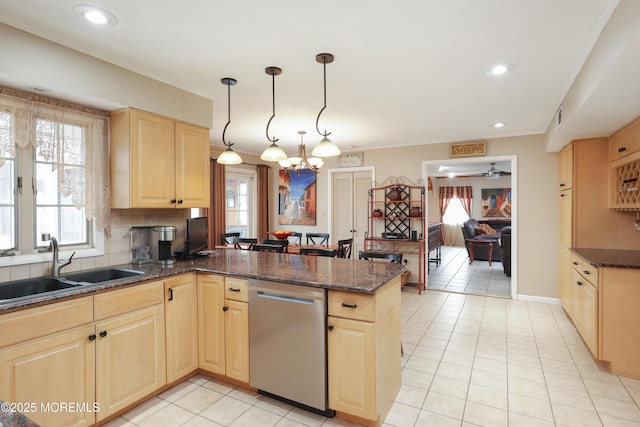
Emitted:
pixel 626 141
pixel 157 162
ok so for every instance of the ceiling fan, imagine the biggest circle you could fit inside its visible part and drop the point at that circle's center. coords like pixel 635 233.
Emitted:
pixel 493 173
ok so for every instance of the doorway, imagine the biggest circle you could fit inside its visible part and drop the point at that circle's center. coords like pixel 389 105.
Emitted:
pixel 479 165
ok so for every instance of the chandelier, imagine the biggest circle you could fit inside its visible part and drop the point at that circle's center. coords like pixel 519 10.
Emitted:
pixel 301 162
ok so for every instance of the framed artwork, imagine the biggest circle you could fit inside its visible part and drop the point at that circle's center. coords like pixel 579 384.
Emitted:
pixel 297 197
pixel 496 203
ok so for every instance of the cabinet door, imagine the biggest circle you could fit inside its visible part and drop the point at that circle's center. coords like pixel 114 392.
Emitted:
pixel 236 323
pixel 51 370
pixel 211 351
pixel 192 166
pixel 152 160
pixel 351 367
pixel 130 359
pixel 566 219
pixel 589 307
pixel 564 280
pixel 566 167
pixel 181 297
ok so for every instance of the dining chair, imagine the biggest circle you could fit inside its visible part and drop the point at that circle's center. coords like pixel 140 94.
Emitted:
pixel 318 239
pixel 245 243
pixel 318 252
pixel 265 247
pixel 277 242
pixel 393 257
pixel 295 238
pixel 344 248
pixel 229 238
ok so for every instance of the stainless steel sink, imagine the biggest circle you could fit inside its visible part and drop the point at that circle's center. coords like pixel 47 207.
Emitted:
pixel 27 287
pixel 102 275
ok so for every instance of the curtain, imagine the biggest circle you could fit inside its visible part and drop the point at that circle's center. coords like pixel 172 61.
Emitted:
pixel 465 194
pixel 263 201
pixel 444 197
pixel 83 169
pixel 217 214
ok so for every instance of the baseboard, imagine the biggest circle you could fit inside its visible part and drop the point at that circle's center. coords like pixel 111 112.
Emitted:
pixel 533 298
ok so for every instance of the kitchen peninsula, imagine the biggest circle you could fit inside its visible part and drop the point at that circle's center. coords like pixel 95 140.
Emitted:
pixel 187 316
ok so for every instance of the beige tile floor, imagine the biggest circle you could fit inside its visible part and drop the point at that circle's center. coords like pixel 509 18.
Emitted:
pixel 469 361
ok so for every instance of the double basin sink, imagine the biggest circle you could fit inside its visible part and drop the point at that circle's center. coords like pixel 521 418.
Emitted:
pixel 41 285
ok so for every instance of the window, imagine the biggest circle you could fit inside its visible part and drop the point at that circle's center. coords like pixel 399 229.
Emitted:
pixel 7 185
pixel 455 213
pixel 240 202
pixel 53 178
pixel 55 213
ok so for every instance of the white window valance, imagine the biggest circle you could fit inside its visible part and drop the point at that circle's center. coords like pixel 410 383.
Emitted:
pixel 88 186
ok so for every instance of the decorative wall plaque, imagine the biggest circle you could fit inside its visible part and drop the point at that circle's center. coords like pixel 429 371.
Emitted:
pixel 351 160
pixel 468 149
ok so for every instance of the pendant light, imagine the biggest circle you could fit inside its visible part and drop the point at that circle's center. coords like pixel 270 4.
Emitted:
pixel 273 153
pixel 325 148
pixel 228 157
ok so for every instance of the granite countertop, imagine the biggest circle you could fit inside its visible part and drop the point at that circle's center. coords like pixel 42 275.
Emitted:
pixel 615 258
pixel 321 272
pixel 8 418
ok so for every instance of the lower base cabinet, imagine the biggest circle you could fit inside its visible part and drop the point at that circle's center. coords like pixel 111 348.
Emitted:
pixel 181 300
pixel 67 361
pixel 130 359
pixel 364 352
pixel 223 326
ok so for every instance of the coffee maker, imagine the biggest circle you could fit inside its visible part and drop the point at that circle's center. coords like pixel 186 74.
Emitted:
pixel 162 237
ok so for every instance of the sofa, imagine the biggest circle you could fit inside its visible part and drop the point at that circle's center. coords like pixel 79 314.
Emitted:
pixel 471 230
pixel 505 241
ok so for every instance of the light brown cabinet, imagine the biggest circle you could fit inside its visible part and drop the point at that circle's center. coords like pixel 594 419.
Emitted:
pixel 223 326
pixel 130 346
pixel 625 142
pixel 566 167
pixel 584 306
pixel 363 367
pixel 157 162
pixel 181 299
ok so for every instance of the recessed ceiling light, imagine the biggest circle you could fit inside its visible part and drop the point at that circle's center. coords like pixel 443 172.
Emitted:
pixel 95 15
pixel 498 125
pixel 499 69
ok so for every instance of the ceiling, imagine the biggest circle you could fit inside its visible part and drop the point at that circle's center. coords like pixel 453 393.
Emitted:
pixel 405 73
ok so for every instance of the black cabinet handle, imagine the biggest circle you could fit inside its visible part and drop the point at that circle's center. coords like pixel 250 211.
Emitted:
pixel 173 200
pixel 622 149
pixel 579 283
pixel 225 308
pixel 344 304
pixel 170 294
pixel 103 334
pixel 330 327
pixel 179 201
pixel 587 272
pixel 233 290
pixel 92 337
pixel 562 185
pixel 575 263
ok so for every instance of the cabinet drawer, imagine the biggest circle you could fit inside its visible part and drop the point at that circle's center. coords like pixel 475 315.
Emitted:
pixel 590 273
pixel 236 289
pixel 122 301
pixel 38 322
pixel 352 305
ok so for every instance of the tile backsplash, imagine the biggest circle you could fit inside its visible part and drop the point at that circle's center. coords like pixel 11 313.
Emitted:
pixel 116 248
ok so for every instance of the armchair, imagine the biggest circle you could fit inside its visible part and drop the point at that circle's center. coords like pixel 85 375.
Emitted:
pixel 481 253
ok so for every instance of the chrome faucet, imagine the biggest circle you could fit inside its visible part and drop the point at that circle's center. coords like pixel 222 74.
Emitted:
pixel 56 264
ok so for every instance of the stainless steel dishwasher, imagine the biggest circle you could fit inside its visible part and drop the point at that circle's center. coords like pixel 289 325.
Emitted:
pixel 288 343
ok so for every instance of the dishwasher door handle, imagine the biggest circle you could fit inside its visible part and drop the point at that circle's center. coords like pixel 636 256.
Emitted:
pixel 285 298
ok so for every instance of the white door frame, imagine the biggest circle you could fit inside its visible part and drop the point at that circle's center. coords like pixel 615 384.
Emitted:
pixel 514 202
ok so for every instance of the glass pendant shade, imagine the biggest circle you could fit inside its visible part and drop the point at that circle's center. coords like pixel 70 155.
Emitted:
pixel 273 154
pixel 229 157
pixel 325 148
pixel 315 162
pixel 285 163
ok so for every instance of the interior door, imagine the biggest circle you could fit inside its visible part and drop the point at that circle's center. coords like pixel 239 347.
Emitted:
pixel 349 192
